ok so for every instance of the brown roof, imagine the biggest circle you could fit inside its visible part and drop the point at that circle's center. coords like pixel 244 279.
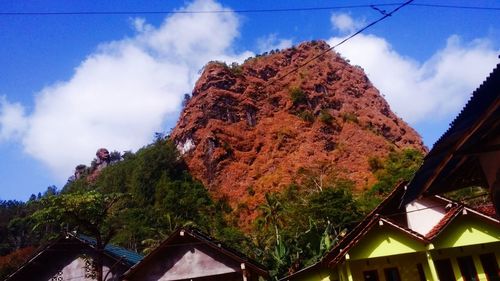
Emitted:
pixel 485 212
pixel 487 209
pixel 448 217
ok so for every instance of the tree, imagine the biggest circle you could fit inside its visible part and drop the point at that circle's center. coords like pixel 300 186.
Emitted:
pixel 399 165
pixel 91 212
pixel 271 212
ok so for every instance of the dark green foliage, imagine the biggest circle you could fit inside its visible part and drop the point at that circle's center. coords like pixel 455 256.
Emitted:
pixel 472 196
pixel 325 117
pixel 186 99
pixel 307 116
pixel 152 194
pixel 299 225
pixel 334 205
pixel 12 213
pixel 236 68
pixel 399 166
pixel 375 163
pixel 163 196
pixel 297 95
pixel 350 117
pixel 250 191
pixel 227 147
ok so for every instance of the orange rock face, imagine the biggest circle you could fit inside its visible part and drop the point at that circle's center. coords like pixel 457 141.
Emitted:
pixel 247 131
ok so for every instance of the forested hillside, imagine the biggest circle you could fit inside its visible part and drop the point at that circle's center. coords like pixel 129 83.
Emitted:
pixel 140 199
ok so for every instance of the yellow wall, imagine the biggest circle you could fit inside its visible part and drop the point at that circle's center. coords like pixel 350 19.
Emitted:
pixel 385 247
pixel 384 241
pixel 467 230
pixel 474 251
pixel 316 274
pixel 406 264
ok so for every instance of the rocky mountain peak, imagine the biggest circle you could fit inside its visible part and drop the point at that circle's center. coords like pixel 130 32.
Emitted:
pixel 247 130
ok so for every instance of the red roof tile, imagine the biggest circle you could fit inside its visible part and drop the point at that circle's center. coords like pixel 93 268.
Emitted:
pixel 443 222
pixel 487 209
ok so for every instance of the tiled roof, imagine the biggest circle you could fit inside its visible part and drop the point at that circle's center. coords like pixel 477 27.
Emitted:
pixel 487 209
pixel 127 256
pixel 443 222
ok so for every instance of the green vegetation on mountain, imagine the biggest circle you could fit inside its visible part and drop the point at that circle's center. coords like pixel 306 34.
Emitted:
pixel 140 200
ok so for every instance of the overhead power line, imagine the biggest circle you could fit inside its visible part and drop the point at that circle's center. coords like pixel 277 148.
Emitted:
pixel 457 7
pixel 385 15
pixel 277 10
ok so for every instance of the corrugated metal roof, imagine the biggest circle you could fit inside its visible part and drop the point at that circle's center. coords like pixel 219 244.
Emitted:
pixel 128 256
pixel 447 166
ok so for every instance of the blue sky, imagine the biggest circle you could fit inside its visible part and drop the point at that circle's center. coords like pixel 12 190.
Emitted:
pixel 73 83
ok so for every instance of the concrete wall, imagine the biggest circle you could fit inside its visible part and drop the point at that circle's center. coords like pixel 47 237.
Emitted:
pixel 189 261
pixel 66 262
pixel 423 214
pixel 78 269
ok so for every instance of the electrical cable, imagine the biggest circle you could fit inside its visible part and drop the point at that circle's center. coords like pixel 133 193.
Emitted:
pixel 245 11
pixel 385 15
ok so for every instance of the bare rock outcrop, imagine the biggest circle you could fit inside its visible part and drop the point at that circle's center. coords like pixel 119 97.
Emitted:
pixel 247 131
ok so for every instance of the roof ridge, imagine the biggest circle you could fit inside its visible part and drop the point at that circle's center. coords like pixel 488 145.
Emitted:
pixel 467 107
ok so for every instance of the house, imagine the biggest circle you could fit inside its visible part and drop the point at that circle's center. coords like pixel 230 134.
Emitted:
pixel 431 238
pixel 72 257
pixel 189 254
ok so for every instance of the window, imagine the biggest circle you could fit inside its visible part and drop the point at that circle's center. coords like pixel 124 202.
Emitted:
pixel 421 272
pixel 467 268
pixel 392 274
pixel 444 270
pixel 370 275
pixel 490 266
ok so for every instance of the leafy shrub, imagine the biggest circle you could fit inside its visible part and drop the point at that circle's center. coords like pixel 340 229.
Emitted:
pixel 399 165
pixel 236 68
pixel 350 117
pixel 307 116
pixel 297 95
pixel 375 163
pixel 325 117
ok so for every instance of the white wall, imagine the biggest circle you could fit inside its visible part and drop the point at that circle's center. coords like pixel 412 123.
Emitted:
pixel 423 214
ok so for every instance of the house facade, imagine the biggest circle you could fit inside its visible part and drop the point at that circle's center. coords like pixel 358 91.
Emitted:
pixel 72 257
pixel 430 239
pixel 189 254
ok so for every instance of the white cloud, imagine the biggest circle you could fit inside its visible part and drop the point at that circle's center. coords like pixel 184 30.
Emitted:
pixel 433 90
pixel 12 119
pixel 344 23
pixel 272 42
pixel 122 93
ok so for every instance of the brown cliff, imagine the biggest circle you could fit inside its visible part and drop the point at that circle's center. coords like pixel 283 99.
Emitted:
pixel 243 135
